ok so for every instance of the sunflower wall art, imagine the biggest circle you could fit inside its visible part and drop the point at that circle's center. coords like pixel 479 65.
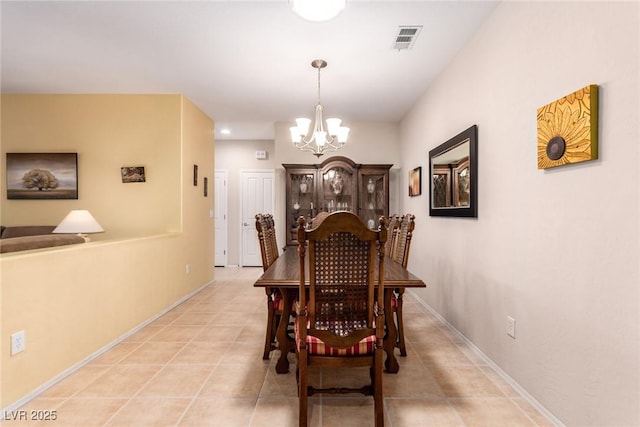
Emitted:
pixel 568 129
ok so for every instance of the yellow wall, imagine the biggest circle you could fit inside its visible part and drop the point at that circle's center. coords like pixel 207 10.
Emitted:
pixel 73 301
pixel 107 132
pixel 197 215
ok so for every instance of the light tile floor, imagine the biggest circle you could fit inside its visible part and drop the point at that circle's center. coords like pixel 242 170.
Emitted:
pixel 199 366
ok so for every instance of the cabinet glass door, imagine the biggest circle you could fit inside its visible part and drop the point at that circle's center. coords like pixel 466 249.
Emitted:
pixel 301 200
pixel 373 198
pixel 338 190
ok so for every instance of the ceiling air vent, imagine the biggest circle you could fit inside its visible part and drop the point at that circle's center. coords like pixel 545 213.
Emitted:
pixel 406 36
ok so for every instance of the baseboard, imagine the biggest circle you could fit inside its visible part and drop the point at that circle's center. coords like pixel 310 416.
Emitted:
pixel 37 391
pixel 517 387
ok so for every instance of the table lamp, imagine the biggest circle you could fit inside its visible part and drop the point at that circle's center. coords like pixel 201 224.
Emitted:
pixel 79 222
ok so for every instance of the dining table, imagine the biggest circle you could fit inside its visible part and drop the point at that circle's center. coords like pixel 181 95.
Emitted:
pixel 284 274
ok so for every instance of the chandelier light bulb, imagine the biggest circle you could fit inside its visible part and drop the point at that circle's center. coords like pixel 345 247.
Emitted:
pixel 321 138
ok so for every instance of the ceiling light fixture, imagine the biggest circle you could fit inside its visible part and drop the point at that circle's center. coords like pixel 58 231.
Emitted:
pixel 319 141
pixel 318 10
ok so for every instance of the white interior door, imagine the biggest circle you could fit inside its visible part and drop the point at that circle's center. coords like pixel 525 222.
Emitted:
pixel 220 217
pixel 257 195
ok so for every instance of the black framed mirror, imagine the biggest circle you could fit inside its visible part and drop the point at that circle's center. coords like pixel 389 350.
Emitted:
pixel 453 176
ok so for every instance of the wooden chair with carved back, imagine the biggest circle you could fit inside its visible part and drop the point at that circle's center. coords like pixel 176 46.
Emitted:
pixel 341 322
pixel 393 222
pixel 405 226
pixel 265 227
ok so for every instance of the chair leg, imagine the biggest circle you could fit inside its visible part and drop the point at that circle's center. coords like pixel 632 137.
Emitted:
pixel 268 339
pixel 302 389
pixel 274 328
pixel 400 322
pixel 378 400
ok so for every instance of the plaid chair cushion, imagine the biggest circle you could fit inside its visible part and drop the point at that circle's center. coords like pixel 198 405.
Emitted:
pixel 317 347
pixel 277 301
pixel 394 301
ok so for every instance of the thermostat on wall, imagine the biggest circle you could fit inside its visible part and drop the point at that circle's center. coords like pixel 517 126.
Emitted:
pixel 261 154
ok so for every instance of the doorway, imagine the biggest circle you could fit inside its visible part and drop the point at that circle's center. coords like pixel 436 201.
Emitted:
pixel 257 196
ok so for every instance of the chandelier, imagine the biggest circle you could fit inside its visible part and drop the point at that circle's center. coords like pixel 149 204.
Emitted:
pixel 318 10
pixel 319 140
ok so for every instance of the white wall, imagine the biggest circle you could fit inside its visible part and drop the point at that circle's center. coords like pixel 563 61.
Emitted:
pixel 556 249
pixel 368 143
pixel 232 156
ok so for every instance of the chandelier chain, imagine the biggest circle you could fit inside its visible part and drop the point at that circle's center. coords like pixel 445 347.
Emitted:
pixel 319 85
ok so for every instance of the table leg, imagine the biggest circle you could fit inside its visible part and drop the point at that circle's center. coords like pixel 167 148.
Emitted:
pixel 391 363
pixel 284 342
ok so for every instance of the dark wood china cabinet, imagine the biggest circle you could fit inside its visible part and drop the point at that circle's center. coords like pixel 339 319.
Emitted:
pixel 336 184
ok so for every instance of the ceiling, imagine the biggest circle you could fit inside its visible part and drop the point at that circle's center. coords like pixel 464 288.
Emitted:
pixel 246 64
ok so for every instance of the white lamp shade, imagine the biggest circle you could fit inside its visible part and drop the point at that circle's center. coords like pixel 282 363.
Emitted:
pixel 79 221
pixel 318 10
pixel 333 125
pixel 303 125
pixel 343 134
pixel 295 134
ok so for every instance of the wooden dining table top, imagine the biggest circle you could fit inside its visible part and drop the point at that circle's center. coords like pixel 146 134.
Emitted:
pixel 284 273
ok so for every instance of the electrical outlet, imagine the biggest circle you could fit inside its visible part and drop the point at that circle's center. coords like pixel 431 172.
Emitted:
pixel 18 343
pixel 511 326
pixel 188 269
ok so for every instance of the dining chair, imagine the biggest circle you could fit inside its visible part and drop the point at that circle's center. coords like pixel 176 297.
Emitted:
pixel 318 218
pixel 265 227
pixel 393 222
pixel 341 321
pixel 405 226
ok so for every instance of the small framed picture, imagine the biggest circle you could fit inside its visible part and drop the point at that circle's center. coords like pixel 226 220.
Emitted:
pixel 132 174
pixel 415 181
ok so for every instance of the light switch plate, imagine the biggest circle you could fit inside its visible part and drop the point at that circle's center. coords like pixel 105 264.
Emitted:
pixel 18 343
